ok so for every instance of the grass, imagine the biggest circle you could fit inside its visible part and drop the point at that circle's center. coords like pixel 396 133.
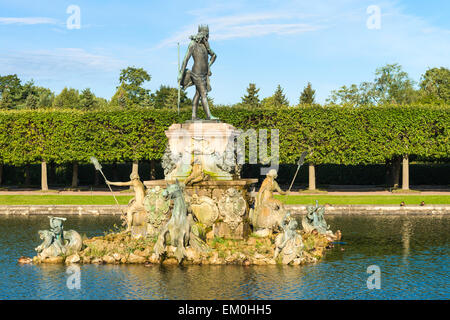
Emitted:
pixel 368 200
pixel 61 199
pixel 290 199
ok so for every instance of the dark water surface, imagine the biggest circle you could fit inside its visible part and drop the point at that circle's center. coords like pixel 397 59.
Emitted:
pixel 411 251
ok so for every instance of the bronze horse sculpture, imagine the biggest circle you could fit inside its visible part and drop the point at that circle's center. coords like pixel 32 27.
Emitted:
pixel 178 226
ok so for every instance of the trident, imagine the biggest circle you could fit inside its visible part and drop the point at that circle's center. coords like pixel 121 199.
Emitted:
pixel 299 163
pixel 98 167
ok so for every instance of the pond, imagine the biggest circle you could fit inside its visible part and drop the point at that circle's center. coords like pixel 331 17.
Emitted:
pixel 411 251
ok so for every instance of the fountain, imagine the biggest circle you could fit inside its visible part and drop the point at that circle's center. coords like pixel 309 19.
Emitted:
pixel 202 211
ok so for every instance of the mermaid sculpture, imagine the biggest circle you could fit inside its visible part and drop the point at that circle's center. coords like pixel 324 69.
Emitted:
pixel 268 212
pixel 58 242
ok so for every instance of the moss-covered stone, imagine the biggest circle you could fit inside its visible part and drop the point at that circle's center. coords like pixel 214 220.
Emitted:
pixel 120 248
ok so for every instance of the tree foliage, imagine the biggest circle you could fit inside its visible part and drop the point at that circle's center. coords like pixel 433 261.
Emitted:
pixel 391 85
pixel 120 98
pixel 10 91
pixel 251 99
pixel 435 86
pixel 131 80
pixel 331 134
pixel 308 95
pixel 87 100
pixel 278 99
pixel 68 98
pixel 167 97
pixel 10 83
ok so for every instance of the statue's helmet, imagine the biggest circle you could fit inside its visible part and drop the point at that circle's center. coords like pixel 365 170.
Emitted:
pixel 272 173
pixel 202 34
pixel 203 28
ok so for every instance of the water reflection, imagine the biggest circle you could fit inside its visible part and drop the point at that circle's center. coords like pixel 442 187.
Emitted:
pixel 412 252
pixel 406 235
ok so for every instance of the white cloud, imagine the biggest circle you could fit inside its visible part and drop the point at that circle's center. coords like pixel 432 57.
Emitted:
pixel 246 26
pixel 28 21
pixel 57 63
pixel 256 30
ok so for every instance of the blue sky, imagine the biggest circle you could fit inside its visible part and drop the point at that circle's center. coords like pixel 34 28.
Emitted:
pixel 266 42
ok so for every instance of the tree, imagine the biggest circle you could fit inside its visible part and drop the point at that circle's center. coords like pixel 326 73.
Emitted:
pixel 46 97
pixel 101 103
pixel 68 98
pixel 393 85
pixel 354 95
pixel 435 85
pixel 308 95
pixel 167 97
pixel 11 88
pixel 120 98
pixel 6 102
pixel 277 100
pixel 26 90
pixel 148 102
pixel 87 100
pixel 279 97
pixel 32 101
pixel 12 84
pixel 27 96
pixel 131 79
pixel 251 98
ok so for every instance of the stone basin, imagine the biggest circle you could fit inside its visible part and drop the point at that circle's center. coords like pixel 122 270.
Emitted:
pixel 211 188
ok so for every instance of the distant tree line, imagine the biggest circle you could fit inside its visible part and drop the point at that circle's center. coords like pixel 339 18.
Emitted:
pixel 391 85
pixel 129 94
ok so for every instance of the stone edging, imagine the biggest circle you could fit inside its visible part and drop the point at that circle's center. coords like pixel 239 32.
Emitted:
pixel 376 209
pixel 61 210
pixel 295 209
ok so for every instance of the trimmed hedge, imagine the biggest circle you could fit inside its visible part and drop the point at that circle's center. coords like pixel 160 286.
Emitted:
pixel 332 134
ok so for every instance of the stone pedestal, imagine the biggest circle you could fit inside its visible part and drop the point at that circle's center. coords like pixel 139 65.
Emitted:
pixel 209 143
pixel 203 155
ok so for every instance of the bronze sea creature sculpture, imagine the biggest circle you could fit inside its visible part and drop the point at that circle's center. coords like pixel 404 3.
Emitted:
pixel 178 227
pixel 56 241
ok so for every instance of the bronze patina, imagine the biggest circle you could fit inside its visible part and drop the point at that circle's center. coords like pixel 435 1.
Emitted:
pixel 200 51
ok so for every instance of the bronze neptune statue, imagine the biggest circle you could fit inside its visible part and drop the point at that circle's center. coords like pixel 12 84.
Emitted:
pixel 200 51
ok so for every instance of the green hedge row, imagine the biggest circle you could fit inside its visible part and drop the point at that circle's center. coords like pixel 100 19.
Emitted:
pixel 332 134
